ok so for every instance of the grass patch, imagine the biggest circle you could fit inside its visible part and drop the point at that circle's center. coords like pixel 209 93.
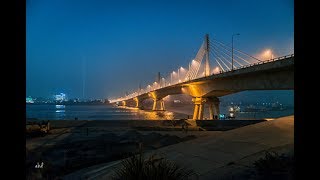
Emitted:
pixel 274 166
pixel 153 167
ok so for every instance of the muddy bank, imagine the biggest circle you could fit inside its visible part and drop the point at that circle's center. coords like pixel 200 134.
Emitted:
pixel 66 150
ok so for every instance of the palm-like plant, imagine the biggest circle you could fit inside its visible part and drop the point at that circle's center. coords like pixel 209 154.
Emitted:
pixel 139 167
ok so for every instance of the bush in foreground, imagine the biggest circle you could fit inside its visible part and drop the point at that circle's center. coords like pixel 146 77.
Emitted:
pixel 139 167
pixel 274 166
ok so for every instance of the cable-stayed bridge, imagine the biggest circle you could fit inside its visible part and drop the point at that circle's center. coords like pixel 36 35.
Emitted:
pixel 234 71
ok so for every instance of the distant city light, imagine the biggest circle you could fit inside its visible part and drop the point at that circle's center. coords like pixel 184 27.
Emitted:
pixel 60 97
pixel 29 100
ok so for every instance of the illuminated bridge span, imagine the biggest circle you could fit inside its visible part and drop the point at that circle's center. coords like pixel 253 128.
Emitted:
pixel 235 71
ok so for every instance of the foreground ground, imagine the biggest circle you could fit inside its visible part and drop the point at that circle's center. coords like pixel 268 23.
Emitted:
pixel 218 155
pixel 74 145
pixel 92 149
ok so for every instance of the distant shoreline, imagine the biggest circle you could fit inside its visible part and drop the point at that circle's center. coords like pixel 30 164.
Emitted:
pixel 84 103
pixel 178 112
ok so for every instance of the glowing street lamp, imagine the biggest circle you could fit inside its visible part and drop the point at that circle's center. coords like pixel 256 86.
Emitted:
pixel 268 53
pixel 173 72
pixel 155 85
pixel 182 71
pixel 216 70
pixel 163 81
pixel 178 74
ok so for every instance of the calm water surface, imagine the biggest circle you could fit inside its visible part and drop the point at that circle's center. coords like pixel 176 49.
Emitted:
pixel 110 112
pixel 94 112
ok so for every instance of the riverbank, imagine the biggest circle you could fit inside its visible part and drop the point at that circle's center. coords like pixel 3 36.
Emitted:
pixel 219 155
pixel 72 145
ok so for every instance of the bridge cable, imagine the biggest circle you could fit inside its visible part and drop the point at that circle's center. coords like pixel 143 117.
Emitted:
pixel 236 55
pixel 231 60
pixel 220 60
pixel 216 59
pixel 216 49
pixel 198 59
pixel 216 52
pixel 192 69
pixel 237 50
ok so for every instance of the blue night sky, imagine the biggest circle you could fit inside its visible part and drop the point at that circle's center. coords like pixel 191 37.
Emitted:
pixel 124 43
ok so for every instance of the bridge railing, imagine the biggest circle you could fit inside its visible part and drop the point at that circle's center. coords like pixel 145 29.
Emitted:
pixel 261 62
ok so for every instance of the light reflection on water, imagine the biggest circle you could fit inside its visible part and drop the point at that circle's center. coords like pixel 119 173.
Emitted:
pixel 60 106
pixel 60 111
pixel 96 112
pixel 156 115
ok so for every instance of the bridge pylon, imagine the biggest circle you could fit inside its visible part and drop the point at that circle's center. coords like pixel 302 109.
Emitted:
pixel 207 64
pixel 214 109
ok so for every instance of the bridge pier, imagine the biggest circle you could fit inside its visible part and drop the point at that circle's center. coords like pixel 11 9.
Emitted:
pixel 124 103
pixel 158 103
pixel 138 103
pixel 214 109
pixel 199 103
pixel 198 107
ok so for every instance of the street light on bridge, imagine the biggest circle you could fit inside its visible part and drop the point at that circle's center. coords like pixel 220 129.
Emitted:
pixel 155 85
pixel 181 71
pixel 232 50
pixel 163 82
pixel 267 54
pixel 178 75
pixel 173 72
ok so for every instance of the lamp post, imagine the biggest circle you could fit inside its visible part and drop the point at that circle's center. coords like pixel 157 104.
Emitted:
pixel 232 51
